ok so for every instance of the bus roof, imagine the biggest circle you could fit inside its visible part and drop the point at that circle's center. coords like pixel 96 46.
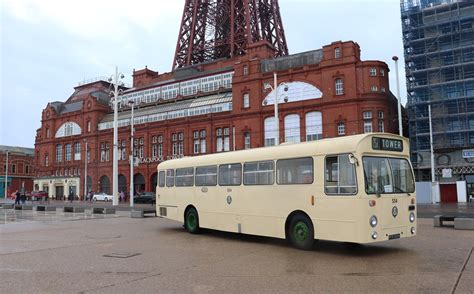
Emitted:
pixel 346 144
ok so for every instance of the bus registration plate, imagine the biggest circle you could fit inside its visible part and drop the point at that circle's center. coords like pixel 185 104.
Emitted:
pixel 394 236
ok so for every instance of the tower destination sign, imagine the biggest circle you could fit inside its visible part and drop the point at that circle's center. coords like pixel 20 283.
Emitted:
pixel 387 144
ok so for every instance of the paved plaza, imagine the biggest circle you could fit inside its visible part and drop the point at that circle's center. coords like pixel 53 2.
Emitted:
pixel 56 252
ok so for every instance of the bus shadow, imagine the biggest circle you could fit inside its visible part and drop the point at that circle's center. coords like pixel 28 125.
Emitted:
pixel 320 246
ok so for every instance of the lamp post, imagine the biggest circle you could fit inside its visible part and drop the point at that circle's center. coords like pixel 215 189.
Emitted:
pixel 6 175
pixel 116 84
pixel 132 157
pixel 277 101
pixel 400 127
pixel 85 170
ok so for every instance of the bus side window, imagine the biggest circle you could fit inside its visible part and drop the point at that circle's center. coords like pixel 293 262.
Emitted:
pixel 185 177
pixel 170 178
pixel 230 174
pixel 206 176
pixel 295 171
pixel 259 173
pixel 340 176
pixel 161 181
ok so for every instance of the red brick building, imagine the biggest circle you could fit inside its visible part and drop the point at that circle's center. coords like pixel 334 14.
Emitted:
pixel 21 169
pixel 217 106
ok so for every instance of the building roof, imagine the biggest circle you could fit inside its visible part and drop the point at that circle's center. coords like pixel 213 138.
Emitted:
pixel 17 150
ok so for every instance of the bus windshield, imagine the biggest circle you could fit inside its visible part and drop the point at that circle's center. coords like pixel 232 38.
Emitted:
pixel 387 175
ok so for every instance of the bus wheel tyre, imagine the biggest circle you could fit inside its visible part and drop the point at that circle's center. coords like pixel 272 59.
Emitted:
pixel 301 232
pixel 191 221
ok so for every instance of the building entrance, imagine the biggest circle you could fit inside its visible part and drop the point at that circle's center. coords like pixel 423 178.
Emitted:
pixel 59 192
pixel 470 187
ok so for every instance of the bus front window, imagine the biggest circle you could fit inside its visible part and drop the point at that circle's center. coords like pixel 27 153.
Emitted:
pixel 387 175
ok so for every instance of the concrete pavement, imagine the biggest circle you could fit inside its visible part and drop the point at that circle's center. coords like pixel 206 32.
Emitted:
pixel 154 255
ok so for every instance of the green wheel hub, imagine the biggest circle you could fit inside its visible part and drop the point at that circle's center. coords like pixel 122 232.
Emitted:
pixel 301 231
pixel 192 221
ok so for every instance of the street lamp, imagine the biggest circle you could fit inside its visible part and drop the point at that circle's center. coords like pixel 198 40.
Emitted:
pixel 116 93
pixel 6 175
pixel 400 127
pixel 132 157
pixel 277 101
pixel 85 170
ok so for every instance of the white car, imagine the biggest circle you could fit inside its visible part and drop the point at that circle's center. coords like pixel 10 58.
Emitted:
pixel 102 197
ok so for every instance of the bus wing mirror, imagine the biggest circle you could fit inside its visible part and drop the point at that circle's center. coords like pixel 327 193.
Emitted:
pixel 353 159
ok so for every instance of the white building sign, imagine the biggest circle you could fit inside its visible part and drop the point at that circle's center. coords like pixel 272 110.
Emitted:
pixel 468 153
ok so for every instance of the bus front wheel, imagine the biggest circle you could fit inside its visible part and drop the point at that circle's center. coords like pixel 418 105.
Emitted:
pixel 191 221
pixel 301 232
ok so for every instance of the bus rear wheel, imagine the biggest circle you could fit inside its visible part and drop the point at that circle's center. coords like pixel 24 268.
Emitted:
pixel 301 232
pixel 191 221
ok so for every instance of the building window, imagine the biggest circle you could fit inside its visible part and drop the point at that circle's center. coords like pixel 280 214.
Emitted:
pixel 68 152
pixel 59 153
pixel 141 148
pixel 380 114
pixel 199 142
pixel 178 144
pixel 122 150
pixel 382 72
pixel 339 87
pixel 247 141
pixel 341 128
pixel 27 169
pixel 382 90
pixel 46 160
pixel 48 133
pixel 13 168
pixel 374 89
pixel 223 140
pixel 373 72
pixel 160 146
pixel 367 115
pixel 88 126
pixel 270 131
pixel 104 152
pixel 77 151
pixel 381 126
pixel 292 128
pixel 246 70
pixel 337 53
pixel 246 100
pixel 314 126
pixel 154 147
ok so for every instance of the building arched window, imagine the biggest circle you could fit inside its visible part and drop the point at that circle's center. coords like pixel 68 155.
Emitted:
pixel 68 129
pixel 339 85
pixel 337 52
pixel 292 128
pixel 314 126
pixel 270 131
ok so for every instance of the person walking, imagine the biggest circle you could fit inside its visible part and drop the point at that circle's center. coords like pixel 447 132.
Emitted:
pixel 71 197
pixel 122 196
pixel 17 197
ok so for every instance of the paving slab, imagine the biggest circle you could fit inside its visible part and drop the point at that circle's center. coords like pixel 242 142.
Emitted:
pixel 118 254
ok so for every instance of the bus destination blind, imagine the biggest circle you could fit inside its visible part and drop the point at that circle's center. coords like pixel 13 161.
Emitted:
pixel 387 144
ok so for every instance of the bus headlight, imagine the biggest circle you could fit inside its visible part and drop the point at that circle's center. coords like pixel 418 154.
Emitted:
pixel 373 221
pixel 413 230
pixel 412 217
pixel 374 235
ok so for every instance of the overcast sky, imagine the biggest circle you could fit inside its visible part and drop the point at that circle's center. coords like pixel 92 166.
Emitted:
pixel 48 46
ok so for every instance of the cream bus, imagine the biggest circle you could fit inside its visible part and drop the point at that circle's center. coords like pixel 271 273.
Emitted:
pixel 357 189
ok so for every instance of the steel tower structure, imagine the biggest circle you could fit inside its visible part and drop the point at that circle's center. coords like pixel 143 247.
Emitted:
pixel 213 29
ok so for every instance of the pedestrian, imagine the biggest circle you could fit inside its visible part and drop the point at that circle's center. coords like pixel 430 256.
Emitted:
pixel 71 197
pixel 122 196
pixel 23 198
pixel 17 197
pixel 90 196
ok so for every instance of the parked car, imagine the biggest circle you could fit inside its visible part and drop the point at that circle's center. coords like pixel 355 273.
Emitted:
pixel 102 197
pixel 38 195
pixel 145 197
